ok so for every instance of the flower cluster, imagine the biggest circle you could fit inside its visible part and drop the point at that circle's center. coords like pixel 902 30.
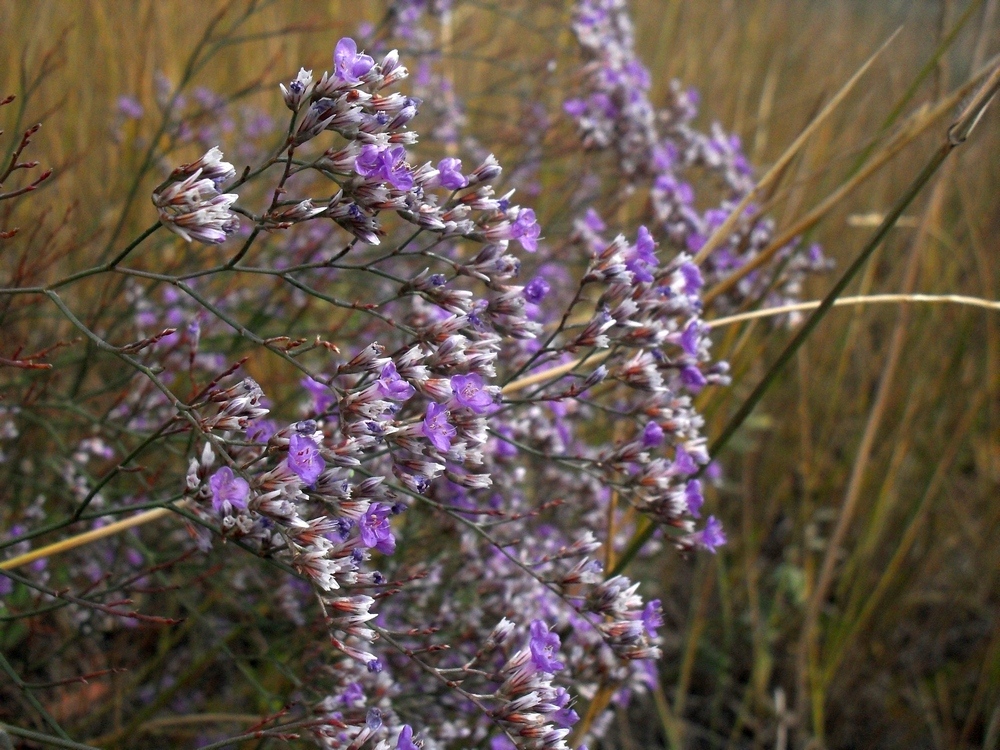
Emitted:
pixel 417 416
pixel 191 205
pixel 532 710
pixel 660 151
pixel 455 435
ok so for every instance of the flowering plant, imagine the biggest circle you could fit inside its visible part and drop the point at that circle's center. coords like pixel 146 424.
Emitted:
pixel 413 433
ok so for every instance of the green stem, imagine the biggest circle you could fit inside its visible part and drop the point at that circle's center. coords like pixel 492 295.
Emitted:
pixel 45 739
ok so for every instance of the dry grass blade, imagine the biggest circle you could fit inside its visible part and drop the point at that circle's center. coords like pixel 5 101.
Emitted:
pixel 859 469
pixel 875 596
pixel 918 124
pixel 868 299
pixel 975 109
pixel 79 540
pixel 725 230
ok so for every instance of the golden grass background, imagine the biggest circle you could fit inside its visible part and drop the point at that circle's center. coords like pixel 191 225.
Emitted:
pixel 887 427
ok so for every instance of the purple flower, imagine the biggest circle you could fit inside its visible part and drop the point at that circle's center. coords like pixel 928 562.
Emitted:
pixel 261 430
pixel 228 491
pixel 469 392
pixel 652 617
pixel 652 435
pixel 601 102
pixel 693 281
pixel 645 247
pixel 715 218
pixel 396 172
pixel 575 107
pixel 592 220
pixel 353 694
pixel 525 230
pixel 451 175
pixel 544 646
pixel 693 378
pixel 387 164
pixel 502 742
pixel 711 537
pixel 323 397
pixel 643 256
pixel 375 529
pixel 565 717
pixel 694 498
pixel 684 463
pixel 664 157
pixel 348 65
pixel 130 107
pixel 691 338
pixel 405 739
pixel 304 459
pixel 695 241
pixel 436 427
pixel 502 445
pixel 391 386
pixel 368 162
pixel 536 289
pixel 816 256
pixel 374 719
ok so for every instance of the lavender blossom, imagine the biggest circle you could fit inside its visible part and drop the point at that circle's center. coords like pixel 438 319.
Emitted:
pixel 388 164
pixel 405 739
pixel 350 65
pixel 450 174
pixel 652 617
pixel 436 427
pixel 375 530
pixel 525 230
pixel 130 107
pixel 536 290
pixel 228 491
pixel 304 459
pixel 393 387
pixel 470 393
pixel 711 537
pixel 298 90
pixel 191 206
pixel 544 646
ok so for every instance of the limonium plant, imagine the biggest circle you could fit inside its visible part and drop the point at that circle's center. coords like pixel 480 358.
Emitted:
pixel 329 361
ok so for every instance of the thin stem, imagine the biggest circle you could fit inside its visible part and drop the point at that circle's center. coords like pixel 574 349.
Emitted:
pixel 868 299
pixel 45 739
pixel 16 678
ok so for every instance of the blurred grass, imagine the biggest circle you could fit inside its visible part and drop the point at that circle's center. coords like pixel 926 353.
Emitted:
pixel 891 414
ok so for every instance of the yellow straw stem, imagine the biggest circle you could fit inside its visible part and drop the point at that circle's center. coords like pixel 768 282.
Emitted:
pixel 86 538
pixel 553 372
pixel 956 299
